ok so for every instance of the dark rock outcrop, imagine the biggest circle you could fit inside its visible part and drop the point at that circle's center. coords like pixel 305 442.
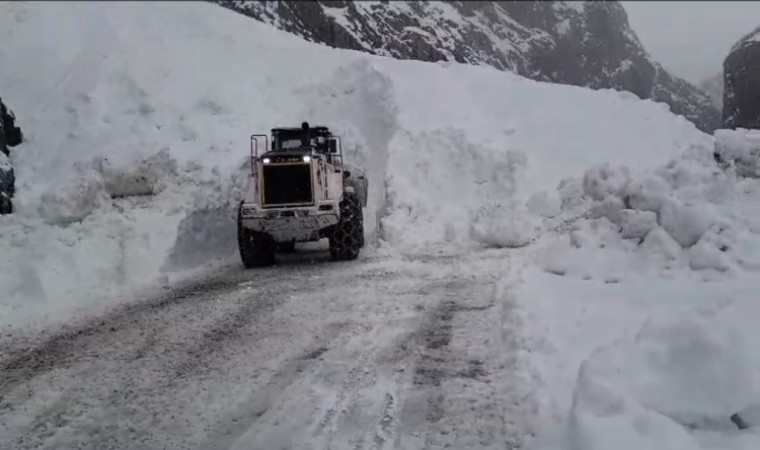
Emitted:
pixel 580 43
pixel 741 79
pixel 10 136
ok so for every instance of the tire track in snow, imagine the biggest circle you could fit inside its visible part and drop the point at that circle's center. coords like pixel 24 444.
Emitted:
pixel 152 361
pixel 67 347
pixel 383 353
pixel 157 340
pixel 460 371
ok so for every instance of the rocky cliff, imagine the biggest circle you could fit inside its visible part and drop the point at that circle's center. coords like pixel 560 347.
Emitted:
pixel 580 43
pixel 741 78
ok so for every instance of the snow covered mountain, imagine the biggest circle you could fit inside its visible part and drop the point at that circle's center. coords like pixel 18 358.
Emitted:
pixel 580 43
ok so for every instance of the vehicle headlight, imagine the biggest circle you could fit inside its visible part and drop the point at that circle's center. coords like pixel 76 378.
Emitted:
pixel 247 212
pixel 266 160
pixel 306 158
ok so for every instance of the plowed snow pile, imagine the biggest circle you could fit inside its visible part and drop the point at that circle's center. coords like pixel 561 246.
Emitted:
pixel 138 118
pixel 643 306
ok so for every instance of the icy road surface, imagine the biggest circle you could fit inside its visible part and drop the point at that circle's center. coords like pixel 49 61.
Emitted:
pixel 387 352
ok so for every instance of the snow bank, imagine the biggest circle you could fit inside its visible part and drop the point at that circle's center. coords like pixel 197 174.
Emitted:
pixel 690 213
pixel 675 373
pixel 682 381
pixel 671 366
pixel 473 139
pixel 641 296
pixel 138 117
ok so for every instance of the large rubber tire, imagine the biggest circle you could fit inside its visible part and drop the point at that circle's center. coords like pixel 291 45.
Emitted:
pixel 348 235
pixel 256 248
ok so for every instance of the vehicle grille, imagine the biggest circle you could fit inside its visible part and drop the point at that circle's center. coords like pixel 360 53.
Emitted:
pixel 287 184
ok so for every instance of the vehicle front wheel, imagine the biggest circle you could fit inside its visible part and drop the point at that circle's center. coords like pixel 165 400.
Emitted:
pixel 256 248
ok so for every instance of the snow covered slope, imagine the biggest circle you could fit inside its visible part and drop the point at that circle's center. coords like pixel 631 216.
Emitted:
pixel 159 99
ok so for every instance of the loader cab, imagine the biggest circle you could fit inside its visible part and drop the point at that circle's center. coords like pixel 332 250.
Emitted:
pixel 289 143
pixel 317 140
pixel 289 139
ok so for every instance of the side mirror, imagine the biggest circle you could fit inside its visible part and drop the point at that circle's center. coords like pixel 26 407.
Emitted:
pixel 333 146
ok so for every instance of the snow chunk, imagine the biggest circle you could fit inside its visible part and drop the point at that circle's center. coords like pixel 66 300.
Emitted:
pixel 686 223
pixel 659 242
pixel 592 249
pixel 704 256
pixel 602 418
pixel 604 180
pixel 647 192
pixel 74 199
pixel 740 147
pixel 643 390
pixel 504 227
pixel 685 198
pixel 709 252
pixel 636 224
pixel 610 207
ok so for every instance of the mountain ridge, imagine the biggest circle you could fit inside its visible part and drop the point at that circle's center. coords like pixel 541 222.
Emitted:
pixel 588 44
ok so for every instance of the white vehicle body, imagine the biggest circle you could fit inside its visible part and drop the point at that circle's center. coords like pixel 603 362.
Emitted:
pixel 296 220
pixel 294 194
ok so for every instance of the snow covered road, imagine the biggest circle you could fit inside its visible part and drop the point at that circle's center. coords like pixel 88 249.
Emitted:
pixel 387 352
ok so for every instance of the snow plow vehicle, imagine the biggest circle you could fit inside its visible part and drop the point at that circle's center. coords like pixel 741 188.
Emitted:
pixel 300 190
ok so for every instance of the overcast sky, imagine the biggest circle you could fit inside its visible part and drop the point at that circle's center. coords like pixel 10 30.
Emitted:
pixel 691 38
